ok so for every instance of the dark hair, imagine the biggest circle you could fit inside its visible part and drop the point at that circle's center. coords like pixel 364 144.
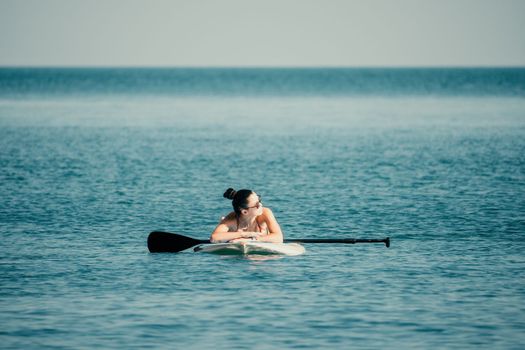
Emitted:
pixel 239 198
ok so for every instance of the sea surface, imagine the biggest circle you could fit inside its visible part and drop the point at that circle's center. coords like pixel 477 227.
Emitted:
pixel 92 160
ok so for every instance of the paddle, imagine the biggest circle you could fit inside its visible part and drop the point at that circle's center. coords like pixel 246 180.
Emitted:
pixel 162 242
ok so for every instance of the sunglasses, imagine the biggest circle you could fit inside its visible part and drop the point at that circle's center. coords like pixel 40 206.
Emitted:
pixel 257 205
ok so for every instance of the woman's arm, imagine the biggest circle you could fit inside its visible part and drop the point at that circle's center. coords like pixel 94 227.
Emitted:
pixel 275 234
pixel 222 234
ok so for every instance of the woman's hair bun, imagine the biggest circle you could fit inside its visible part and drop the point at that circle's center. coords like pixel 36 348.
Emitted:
pixel 230 193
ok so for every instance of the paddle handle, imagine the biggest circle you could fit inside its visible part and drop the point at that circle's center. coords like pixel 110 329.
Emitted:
pixel 386 241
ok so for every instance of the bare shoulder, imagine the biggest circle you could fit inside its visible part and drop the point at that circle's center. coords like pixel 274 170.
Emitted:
pixel 268 222
pixel 267 211
pixel 266 214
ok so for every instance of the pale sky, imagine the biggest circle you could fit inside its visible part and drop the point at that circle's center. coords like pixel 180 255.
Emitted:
pixel 264 33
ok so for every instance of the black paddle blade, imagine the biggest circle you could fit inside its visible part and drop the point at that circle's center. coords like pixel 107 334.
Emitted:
pixel 165 242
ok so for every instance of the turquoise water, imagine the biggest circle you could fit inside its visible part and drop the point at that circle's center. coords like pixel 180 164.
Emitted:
pixel 93 160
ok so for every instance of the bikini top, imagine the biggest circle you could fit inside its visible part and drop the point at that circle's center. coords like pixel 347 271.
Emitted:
pixel 257 229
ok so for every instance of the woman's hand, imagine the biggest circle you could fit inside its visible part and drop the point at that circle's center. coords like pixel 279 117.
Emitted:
pixel 245 234
pixel 237 240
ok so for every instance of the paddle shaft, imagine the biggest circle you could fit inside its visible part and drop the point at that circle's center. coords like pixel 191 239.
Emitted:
pixel 386 241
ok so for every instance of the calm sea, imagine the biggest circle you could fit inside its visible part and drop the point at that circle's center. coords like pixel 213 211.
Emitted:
pixel 92 160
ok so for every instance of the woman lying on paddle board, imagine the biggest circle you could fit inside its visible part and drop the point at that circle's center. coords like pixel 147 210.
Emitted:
pixel 248 220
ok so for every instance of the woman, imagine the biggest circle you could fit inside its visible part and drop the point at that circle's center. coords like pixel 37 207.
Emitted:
pixel 249 220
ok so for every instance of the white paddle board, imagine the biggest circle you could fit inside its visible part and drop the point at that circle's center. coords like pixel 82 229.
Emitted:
pixel 251 247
